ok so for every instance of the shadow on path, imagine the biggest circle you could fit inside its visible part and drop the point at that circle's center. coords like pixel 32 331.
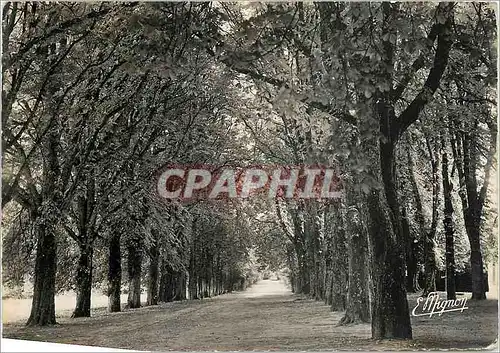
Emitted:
pixel 265 317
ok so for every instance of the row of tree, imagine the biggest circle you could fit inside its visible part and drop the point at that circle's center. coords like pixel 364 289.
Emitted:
pixel 401 99
pixel 93 106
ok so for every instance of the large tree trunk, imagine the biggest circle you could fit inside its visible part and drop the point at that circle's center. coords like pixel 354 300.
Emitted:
pixel 358 305
pixel 134 262
pixel 43 303
pixel 339 290
pixel 84 281
pixel 390 312
pixel 448 228
pixel 44 287
pixel 114 274
pixel 476 260
pixel 85 236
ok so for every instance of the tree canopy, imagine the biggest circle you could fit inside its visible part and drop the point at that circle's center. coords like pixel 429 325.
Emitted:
pixel 400 98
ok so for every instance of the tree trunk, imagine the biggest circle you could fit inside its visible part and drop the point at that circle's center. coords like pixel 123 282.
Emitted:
pixel 328 286
pixel 162 290
pixel 193 278
pixel 201 287
pixel 114 274
pixel 319 290
pixel 429 245
pixel 340 263
pixel 419 217
pixel 193 287
pixel 172 284
pixel 292 266
pixel 301 250
pixel 303 275
pixel 448 228
pixel 328 256
pixel 411 258
pixel 170 287
pixel 134 274
pixel 472 206
pixel 313 251
pixel 430 266
pixel 152 297
pixel 84 281
pixel 193 273
pixel 358 306
pixel 390 311
pixel 476 260
pixel 43 302
pixel 180 293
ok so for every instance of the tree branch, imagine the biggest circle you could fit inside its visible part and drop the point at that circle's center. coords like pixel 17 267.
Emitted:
pixel 417 64
pixel 287 232
pixel 326 108
pixel 410 114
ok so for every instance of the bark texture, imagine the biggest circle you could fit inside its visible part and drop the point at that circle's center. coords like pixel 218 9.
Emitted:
pixel 43 302
pixel 114 274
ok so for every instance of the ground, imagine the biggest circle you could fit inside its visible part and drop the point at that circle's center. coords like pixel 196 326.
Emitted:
pixel 265 317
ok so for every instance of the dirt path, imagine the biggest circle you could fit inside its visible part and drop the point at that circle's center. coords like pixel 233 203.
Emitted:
pixel 266 317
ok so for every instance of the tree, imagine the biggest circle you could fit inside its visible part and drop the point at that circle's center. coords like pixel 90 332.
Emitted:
pixel 448 225
pixel 358 306
pixel 381 95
